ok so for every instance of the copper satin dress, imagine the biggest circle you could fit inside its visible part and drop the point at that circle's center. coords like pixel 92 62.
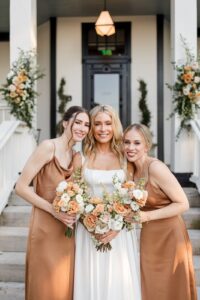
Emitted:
pixel 167 271
pixel 50 255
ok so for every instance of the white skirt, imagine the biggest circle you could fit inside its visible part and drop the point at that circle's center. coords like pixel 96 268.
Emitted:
pixel 111 275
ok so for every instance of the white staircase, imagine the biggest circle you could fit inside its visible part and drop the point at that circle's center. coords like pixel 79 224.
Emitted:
pixel 13 238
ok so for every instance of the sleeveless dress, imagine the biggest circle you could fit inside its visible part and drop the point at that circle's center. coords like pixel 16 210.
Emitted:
pixel 165 253
pixel 50 255
pixel 112 275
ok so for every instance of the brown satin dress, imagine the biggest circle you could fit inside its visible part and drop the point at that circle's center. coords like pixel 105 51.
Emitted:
pixel 50 255
pixel 167 271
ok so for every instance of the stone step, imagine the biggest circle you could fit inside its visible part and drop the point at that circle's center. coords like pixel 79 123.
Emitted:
pixel 192 218
pixel 12 266
pixel 16 216
pixel 17 200
pixel 13 239
pixel 12 291
pixel 193 196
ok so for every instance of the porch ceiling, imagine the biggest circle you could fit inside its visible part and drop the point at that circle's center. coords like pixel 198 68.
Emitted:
pixel 77 8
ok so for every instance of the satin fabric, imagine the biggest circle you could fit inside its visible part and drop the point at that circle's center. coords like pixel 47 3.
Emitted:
pixel 50 255
pixel 167 271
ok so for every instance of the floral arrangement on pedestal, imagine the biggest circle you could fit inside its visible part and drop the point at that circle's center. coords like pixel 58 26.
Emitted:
pixel 19 89
pixel 186 89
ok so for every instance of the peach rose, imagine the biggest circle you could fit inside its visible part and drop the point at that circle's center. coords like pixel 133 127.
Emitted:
pixel 128 185
pixel 98 209
pixel 70 192
pixel 90 222
pixel 75 187
pixel 73 207
pixel 119 208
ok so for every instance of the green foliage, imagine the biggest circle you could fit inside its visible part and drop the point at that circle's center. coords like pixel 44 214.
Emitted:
pixel 145 113
pixel 64 99
pixel 19 90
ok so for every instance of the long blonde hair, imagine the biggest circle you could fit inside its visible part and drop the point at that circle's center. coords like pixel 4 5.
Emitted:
pixel 143 130
pixel 116 142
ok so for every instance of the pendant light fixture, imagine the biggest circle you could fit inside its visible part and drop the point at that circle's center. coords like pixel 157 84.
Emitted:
pixel 104 24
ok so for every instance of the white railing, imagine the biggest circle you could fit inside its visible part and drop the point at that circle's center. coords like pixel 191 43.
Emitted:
pixel 195 124
pixel 4 111
pixel 16 145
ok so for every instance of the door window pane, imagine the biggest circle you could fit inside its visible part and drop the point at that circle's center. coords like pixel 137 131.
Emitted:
pixel 106 90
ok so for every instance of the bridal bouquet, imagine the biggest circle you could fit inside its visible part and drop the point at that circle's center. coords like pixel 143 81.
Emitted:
pixel 70 198
pixel 108 213
pixel 102 215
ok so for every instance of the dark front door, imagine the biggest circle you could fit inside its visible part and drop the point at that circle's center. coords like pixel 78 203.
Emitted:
pixel 106 71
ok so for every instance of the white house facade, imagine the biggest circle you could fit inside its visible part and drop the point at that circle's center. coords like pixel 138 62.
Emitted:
pixel 147 40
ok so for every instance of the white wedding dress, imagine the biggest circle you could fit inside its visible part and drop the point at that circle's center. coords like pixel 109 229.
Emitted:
pixel 111 275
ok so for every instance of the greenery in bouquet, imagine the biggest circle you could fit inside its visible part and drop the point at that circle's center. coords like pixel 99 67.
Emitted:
pixel 186 89
pixel 132 196
pixel 70 198
pixel 19 89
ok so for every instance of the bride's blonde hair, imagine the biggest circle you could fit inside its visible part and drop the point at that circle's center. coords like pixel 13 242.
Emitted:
pixel 116 142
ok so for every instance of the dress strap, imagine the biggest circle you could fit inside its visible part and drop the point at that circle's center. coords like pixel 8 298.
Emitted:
pixel 54 149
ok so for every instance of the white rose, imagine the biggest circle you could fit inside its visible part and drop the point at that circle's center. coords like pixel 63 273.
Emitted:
pixel 196 79
pixel 134 206
pixel 138 194
pixel 117 224
pixel 65 197
pixel 101 229
pixel 12 87
pixel 186 91
pixel 64 206
pixel 61 187
pixel 89 208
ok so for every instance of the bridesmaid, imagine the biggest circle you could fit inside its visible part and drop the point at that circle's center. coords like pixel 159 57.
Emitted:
pixel 50 255
pixel 166 255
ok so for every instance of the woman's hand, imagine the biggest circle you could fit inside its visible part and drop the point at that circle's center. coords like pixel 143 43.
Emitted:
pixel 142 217
pixel 106 237
pixel 67 219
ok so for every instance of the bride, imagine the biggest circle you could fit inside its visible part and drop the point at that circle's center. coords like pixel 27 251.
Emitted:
pixel 113 274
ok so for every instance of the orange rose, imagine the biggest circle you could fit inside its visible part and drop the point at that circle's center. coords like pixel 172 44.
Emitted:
pixel 73 207
pixel 90 222
pixel 128 185
pixel 70 192
pixel 187 77
pixel 120 209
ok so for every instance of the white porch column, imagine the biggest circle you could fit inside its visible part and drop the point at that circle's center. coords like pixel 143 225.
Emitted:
pixel 23 26
pixel 183 22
